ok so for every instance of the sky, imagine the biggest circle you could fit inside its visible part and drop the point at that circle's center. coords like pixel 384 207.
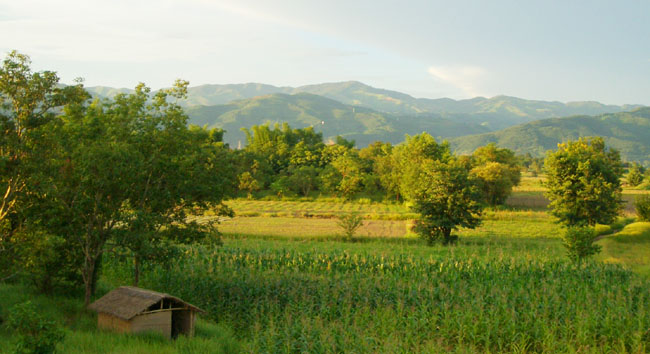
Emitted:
pixel 547 50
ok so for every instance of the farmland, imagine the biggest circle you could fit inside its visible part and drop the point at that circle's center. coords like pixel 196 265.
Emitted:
pixel 284 280
pixel 484 294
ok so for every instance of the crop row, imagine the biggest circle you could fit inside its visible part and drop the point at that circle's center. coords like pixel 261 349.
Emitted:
pixel 288 301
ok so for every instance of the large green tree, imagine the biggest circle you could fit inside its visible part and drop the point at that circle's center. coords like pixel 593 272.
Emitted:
pixel 439 186
pixel 447 197
pixel 124 173
pixel 28 101
pixel 178 172
pixel 583 179
pixel 409 157
pixel 497 170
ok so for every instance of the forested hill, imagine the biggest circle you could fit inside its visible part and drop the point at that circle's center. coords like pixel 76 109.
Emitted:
pixel 328 116
pixel 628 132
pixel 494 113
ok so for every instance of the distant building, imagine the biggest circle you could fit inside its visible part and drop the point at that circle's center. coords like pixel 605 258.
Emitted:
pixel 130 310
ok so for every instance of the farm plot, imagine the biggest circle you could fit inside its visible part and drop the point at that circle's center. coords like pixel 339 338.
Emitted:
pixel 502 295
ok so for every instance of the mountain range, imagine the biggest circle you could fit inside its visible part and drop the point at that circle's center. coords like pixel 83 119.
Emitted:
pixel 366 114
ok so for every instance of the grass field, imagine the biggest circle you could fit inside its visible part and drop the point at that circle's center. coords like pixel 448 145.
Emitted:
pixel 511 224
pixel 82 336
pixel 630 246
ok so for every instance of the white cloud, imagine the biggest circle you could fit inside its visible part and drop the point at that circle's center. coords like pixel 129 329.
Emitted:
pixel 464 77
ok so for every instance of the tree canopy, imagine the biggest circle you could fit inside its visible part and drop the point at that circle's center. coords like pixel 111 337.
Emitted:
pixel 584 182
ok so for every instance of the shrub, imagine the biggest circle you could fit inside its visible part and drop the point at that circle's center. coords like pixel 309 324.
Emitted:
pixel 642 205
pixel 34 333
pixel 579 242
pixel 635 176
pixel 350 223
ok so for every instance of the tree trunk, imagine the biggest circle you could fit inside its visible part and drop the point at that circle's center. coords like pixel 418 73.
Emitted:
pixel 96 273
pixel 446 234
pixel 88 275
pixel 136 270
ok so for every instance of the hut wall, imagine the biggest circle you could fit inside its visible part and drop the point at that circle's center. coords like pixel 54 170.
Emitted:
pixel 160 322
pixel 110 322
pixel 183 322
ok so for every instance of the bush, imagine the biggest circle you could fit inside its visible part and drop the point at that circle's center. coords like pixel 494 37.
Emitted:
pixel 642 205
pixel 34 333
pixel 635 176
pixel 579 242
pixel 350 223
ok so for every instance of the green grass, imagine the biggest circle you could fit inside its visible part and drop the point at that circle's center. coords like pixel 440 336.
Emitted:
pixel 629 247
pixel 501 223
pixel 82 335
pixel 317 208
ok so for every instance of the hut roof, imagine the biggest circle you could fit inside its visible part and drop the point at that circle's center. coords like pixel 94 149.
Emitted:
pixel 126 302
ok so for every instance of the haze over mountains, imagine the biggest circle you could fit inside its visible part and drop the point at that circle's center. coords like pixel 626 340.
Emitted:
pixel 366 114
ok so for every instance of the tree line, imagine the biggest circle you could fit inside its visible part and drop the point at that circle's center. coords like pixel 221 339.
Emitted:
pixel 282 161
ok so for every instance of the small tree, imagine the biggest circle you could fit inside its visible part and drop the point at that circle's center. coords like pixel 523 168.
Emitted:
pixel 498 170
pixel 35 334
pixel 635 176
pixel 579 243
pixel 248 183
pixel 495 180
pixel 584 182
pixel 642 205
pixel 303 179
pixel 447 198
pixel 350 223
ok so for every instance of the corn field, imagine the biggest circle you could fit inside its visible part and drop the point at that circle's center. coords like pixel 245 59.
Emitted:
pixel 338 297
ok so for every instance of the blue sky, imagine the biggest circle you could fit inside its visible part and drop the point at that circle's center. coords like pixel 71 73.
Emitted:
pixel 547 50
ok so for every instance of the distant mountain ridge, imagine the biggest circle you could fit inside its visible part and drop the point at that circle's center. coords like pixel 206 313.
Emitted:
pixel 328 116
pixel 495 113
pixel 366 114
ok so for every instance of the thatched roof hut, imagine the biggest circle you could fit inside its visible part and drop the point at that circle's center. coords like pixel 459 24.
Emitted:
pixel 131 309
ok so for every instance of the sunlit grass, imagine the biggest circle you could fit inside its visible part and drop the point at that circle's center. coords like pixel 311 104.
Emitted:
pixel 629 247
pixel 501 223
pixel 82 335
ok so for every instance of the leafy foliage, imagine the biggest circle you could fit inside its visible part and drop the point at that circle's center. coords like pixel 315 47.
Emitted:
pixel 635 175
pixel 642 205
pixel 350 223
pixel 583 181
pixel 122 173
pixel 35 334
pixel 447 199
pixel 28 101
pixel 497 170
pixel 579 243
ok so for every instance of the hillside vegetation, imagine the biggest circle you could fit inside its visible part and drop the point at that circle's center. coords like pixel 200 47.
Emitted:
pixel 628 132
pixel 328 116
